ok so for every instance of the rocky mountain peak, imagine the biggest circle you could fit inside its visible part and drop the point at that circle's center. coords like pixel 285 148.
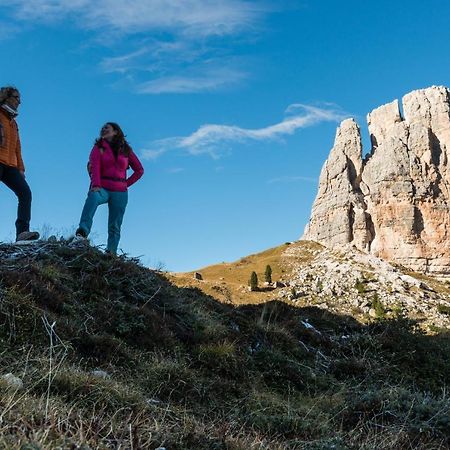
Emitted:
pixel 394 203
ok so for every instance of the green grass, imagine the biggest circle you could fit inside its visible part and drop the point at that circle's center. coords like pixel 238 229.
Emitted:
pixel 188 372
pixel 378 306
pixel 360 287
pixel 444 309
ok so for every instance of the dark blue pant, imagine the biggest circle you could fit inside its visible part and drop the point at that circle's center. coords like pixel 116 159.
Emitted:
pixel 16 182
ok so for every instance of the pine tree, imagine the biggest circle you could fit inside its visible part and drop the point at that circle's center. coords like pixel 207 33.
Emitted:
pixel 268 274
pixel 253 282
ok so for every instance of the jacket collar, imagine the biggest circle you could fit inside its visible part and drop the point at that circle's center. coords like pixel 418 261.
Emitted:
pixel 105 144
pixel 12 113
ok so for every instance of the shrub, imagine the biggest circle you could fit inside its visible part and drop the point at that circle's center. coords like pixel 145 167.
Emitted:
pixel 268 274
pixel 444 309
pixel 359 286
pixel 253 282
pixel 378 307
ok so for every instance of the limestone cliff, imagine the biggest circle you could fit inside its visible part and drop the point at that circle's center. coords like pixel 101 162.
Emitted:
pixel 394 203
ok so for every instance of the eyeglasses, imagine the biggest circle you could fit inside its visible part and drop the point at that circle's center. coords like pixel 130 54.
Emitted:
pixel 17 97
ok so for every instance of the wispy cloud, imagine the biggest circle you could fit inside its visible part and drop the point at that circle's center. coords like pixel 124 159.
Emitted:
pixel 213 139
pixel 290 179
pixel 168 42
pixel 124 63
pixel 200 17
pixel 177 67
pixel 175 170
pixel 210 80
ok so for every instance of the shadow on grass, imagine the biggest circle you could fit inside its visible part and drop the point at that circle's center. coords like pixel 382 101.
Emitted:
pixel 294 375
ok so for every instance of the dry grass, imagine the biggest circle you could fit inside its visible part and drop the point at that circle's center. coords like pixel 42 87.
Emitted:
pixel 228 282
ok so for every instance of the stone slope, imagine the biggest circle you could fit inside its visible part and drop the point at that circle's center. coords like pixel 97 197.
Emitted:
pixel 349 281
pixel 344 281
pixel 394 203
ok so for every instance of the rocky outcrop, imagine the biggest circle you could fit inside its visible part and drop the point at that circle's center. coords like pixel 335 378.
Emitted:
pixel 394 203
pixel 348 281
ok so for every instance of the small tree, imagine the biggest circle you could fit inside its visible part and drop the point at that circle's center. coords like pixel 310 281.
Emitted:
pixel 268 274
pixel 377 305
pixel 253 282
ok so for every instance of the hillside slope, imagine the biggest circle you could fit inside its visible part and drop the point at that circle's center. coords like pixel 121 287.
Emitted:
pixel 343 281
pixel 113 355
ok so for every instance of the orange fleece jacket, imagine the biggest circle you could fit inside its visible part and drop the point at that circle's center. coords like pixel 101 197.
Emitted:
pixel 10 149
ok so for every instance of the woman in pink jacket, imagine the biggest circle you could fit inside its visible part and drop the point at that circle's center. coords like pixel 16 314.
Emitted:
pixel 108 163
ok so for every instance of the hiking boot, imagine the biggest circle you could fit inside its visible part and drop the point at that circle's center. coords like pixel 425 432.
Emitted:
pixel 81 233
pixel 27 236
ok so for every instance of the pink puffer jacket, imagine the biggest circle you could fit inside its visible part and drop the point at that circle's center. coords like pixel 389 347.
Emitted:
pixel 109 172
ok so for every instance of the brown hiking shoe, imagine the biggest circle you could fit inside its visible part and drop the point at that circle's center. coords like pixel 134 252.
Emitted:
pixel 27 236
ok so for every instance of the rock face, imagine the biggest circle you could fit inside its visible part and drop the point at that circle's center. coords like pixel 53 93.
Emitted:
pixel 394 203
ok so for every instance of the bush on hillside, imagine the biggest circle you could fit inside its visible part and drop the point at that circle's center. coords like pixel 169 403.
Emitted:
pixel 268 274
pixel 253 282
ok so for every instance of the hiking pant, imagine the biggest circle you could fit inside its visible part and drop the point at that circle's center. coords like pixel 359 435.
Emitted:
pixel 12 177
pixel 117 203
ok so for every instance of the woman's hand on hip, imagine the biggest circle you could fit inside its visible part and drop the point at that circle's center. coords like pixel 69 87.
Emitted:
pixel 95 189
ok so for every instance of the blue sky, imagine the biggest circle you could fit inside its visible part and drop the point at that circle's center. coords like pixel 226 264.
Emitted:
pixel 232 107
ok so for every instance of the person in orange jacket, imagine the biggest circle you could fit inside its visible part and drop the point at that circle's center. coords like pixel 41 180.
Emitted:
pixel 12 169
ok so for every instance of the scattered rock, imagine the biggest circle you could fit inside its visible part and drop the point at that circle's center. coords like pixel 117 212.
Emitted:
pixel 235 326
pixel 329 278
pixel 307 325
pixel 198 276
pixel 100 374
pixel 12 381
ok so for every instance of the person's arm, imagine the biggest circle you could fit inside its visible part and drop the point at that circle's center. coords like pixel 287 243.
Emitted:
pixel 137 168
pixel 20 164
pixel 2 134
pixel 95 165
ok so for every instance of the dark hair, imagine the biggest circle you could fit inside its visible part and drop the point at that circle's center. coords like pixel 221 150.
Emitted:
pixel 6 92
pixel 118 144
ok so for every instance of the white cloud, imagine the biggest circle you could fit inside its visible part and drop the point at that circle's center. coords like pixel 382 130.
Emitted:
pixel 177 67
pixel 202 17
pixel 171 45
pixel 209 81
pixel 151 56
pixel 212 139
pixel 175 170
pixel 123 63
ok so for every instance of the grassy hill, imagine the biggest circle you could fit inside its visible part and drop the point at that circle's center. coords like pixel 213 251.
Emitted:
pixel 228 282
pixel 115 356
